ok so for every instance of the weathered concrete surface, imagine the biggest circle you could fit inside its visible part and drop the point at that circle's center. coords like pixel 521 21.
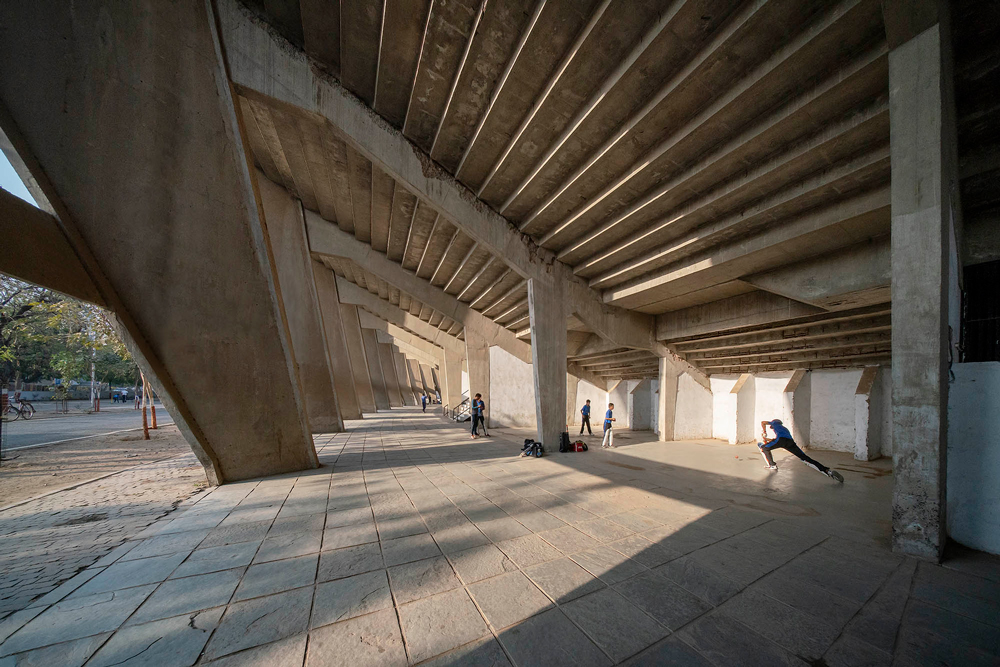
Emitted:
pixel 389 372
pixel 477 355
pixel 415 378
pixel 379 390
pixel 406 388
pixel 147 177
pixel 797 406
pixel 547 309
pixel 867 417
pixel 451 392
pixel 287 237
pixel 744 392
pixel 359 360
pixel 336 341
pixel 924 177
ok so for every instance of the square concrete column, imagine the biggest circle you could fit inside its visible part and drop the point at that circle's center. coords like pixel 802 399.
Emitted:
pixel 477 355
pixel 287 236
pixel 426 378
pixel 746 410
pixel 924 282
pixel 436 380
pixel 375 369
pixel 572 386
pixel 451 392
pixel 389 372
pixel 867 416
pixel 547 312
pixel 670 371
pixel 336 341
pixel 796 406
pixel 405 385
pixel 359 362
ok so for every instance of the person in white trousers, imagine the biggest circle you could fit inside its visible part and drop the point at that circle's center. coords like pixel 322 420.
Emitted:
pixel 609 437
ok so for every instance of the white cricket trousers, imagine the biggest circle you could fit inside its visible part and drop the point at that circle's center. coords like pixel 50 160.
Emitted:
pixel 609 438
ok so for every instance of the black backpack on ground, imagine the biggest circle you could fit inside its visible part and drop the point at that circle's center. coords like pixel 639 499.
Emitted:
pixel 564 444
pixel 532 448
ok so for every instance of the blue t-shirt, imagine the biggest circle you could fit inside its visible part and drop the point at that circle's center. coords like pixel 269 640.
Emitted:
pixel 586 410
pixel 607 419
pixel 780 431
pixel 478 407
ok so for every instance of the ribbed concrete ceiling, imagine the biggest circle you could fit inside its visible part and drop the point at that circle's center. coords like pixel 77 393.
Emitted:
pixel 669 152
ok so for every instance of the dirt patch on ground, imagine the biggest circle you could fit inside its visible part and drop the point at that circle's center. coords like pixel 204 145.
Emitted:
pixel 31 472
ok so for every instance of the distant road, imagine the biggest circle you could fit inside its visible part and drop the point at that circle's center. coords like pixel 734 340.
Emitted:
pixel 54 430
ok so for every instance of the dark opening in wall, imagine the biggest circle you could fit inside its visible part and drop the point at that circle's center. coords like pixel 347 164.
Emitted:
pixel 981 319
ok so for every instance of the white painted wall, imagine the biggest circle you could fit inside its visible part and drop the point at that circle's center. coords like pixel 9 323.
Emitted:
pixel 974 456
pixel 723 407
pixel 769 398
pixel 639 408
pixel 693 418
pixel 654 406
pixel 832 409
pixel 618 396
pixel 512 391
pixel 598 404
pixel 746 403
pixel 465 384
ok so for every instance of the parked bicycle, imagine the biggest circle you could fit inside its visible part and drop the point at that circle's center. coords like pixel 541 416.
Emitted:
pixel 18 409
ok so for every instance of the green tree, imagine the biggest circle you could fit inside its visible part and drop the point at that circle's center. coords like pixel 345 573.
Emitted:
pixel 23 312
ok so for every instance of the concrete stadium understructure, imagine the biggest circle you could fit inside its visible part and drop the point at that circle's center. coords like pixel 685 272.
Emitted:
pixel 304 210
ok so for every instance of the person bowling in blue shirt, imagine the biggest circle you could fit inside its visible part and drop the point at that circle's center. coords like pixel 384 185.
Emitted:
pixel 783 440
pixel 609 436
pixel 585 421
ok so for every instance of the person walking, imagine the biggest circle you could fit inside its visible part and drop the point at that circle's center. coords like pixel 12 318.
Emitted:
pixel 423 402
pixel 783 440
pixel 609 436
pixel 478 412
pixel 585 418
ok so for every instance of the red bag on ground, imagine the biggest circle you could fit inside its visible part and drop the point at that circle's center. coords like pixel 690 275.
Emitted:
pixel 579 446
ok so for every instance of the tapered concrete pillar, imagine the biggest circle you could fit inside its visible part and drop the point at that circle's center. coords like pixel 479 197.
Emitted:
pixel 415 378
pixel 477 355
pixel 547 311
pixel 572 411
pixel 640 403
pixel 336 341
pixel 925 225
pixel 375 369
pixel 389 371
pixel 666 411
pixel 451 392
pixel 868 416
pixel 359 361
pixel 797 406
pixel 405 385
pixel 427 379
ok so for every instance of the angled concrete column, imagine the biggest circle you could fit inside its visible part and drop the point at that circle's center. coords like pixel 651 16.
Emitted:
pixel 139 160
pixel 336 341
pixel 415 378
pixel 287 237
pixel 867 418
pixel 639 405
pixel 797 406
pixel 924 273
pixel 451 392
pixel 405 385
pixel 746 410
pixel 389 371
pixel 375 369
pixel 427 379
pixel 477 355
pixel 572 385
pixel 547 311
pixel 666 412
pixel 359 360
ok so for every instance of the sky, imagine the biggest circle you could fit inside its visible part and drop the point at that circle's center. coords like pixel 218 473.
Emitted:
pixel 11 182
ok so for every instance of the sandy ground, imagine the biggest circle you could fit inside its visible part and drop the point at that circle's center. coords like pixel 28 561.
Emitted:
pixel 31 472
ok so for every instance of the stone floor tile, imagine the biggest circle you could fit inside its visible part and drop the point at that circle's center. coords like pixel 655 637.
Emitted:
pixel 732 520
pixel 850 652
pixel 421 579
pixel 805 635
pixel 563 580
pixel 569 540
pixel 349 536
pixel 685 537
pixel 342 599
pixel 502 529
pixel 260 621
pixel 350 561
pixel 68 654
pixel 725 641
pixel 216 559
pixel 66 588
pixel 183 596
pixel 538 521
pixel 299 523
pixel 644 552
pixel 932 635
pixel 366 641
pixel 707 584
pixel 277 576
pixel 485 652
pixel 607 564
pixel 236 533
pixel 17 620
pixel 958 592
pixel 76 618
pixel 131 573
pixel 616 625
pixel 459 538
pixel 289 652
pixel 174 641
pixel 163 545
pixel 479 563
pixel 668 653
pixel 604 530
pixel 529 550
pixel 288 545
pixel 634 521
pixel 407 549
pixel 551 639
pixel 664 600
pixel 508 598
pixel 391 528
pixel 116 553
pixel 800 594
pixel 434 625
pixel 569 513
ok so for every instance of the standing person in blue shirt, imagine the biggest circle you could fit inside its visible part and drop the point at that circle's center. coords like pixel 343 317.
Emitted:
pixel 609 437
pixel 585 411
pixel 423 402
pixel 783 440
pixel 478 411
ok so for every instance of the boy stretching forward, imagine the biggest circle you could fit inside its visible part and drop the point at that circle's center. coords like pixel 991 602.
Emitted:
pixel 783 440
pixel 609 437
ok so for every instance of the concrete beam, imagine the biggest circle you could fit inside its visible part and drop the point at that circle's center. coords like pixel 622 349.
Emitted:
pixel 96 149
pixel 35 249
pixel 263 63
pixel 743 310
pixel 297 291
pixel 404 340
pixel 336 341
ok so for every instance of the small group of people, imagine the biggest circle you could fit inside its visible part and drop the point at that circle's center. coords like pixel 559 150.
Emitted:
pixel 609 417
pixel 119 396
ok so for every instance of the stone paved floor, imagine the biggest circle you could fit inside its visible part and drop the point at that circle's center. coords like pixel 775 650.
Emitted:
pixel 416 545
